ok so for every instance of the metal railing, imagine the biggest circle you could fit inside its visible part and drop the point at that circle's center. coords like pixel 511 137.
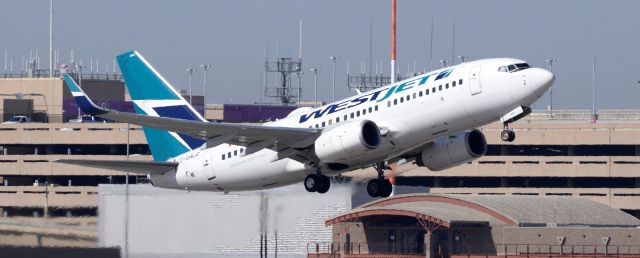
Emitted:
pixel 585 115
pixel 474 250
pixel 56 74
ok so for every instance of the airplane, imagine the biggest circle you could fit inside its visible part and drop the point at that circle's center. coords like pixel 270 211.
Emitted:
pixel 430 120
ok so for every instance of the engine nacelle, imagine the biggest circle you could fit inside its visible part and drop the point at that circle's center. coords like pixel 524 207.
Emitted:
pixel 347 140
pixel 453 150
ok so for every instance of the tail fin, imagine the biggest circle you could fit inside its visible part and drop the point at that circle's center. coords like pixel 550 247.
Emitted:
pixel 152 95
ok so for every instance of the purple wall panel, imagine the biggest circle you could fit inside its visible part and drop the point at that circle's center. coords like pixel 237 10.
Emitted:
pixel 254 113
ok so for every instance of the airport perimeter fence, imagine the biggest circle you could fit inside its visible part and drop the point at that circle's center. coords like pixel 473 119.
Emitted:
pixel 464 250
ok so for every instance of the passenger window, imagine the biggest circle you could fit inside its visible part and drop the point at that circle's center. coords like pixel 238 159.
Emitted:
pixel 358 113
pixel 389 103
pixel 433 90
pixel 352 115
pixel 235 153
pixel 395 102
pixel 401 99
pixel 408 97
pixel 370 109
pixel 453 84
pixel 242 150
pixel 460 82
pixel 317 126
pixel 414 95
pixel 330 122
pixel 364 112
pixel 223 157
pixel 426 92
pixel 447 85
pixel 420 93
pixel 323 124
pixel 337 119
pixel 376 108
pixel 229 154
pixel 439 87
pixel 345 117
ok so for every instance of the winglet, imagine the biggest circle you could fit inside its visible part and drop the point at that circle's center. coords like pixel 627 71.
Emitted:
pixel 85 104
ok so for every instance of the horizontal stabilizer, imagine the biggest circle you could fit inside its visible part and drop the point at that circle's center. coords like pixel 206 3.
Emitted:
pixel 133 166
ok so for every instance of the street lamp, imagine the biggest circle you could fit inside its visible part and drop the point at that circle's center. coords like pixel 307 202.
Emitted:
pixel 443 63
pixel 190 70
pixel 551 61
pixel 463 58
pixel 315 84
pixel 204 88
pixel 333 76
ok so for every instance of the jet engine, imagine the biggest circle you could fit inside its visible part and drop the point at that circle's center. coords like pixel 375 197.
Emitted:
pixel 347 140
pixel 453 150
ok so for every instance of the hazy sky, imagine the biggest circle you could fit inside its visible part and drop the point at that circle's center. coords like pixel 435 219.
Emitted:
pixel 231 36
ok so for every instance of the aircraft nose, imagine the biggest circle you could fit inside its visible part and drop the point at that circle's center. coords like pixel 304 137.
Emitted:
pixel 543 78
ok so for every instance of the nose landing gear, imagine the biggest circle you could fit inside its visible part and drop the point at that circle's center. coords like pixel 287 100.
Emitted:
pixel 507 135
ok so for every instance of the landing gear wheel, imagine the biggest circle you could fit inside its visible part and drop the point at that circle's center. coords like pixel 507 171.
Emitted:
pixel 379 188
pixel 311 183
pixel 317 183
pixel 508 135
pixel 324 184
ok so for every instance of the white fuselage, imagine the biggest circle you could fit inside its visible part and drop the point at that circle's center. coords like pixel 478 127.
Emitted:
pixel 483 92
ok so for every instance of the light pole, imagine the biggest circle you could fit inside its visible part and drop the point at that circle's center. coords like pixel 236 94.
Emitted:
pixel 463 58
pixel 551 61
pixel 333 76
pixel 79 68
pixel 204 88
pixel 190 70
pixel 315 85
pixel 443 63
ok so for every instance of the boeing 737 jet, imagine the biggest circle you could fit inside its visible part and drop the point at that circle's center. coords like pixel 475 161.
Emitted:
pixel 430 120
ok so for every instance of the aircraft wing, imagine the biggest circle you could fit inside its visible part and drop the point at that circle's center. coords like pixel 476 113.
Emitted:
pixel 254 137
pixel 133 166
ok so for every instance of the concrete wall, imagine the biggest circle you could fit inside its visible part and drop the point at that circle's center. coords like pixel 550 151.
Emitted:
pixel 173 222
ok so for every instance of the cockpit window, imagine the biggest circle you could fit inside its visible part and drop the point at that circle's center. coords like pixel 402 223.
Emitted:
pixel 513 68
pixel 522 66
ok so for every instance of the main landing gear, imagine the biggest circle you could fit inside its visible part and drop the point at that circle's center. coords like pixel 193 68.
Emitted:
pixel 379 187
pixel 317 183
